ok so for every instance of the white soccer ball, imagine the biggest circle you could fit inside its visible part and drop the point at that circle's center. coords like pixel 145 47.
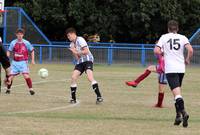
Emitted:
pixel 43 73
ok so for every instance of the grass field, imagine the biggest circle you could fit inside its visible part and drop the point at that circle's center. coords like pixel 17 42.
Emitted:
pixel 125 111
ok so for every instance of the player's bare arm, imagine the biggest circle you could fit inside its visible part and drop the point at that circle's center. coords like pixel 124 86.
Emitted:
pixel 189 53
pixel 33 57
pixel 74 52
pixel 8 53
pixel 84 51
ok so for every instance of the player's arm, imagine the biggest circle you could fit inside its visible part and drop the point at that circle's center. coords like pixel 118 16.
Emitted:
pixel 8 53
pixel 31 49
pixel 157 50
pixel 74 52
pixel 189 53
pixel 10 49
pixel 33 57
pixel 78 54
pixel 158 46
pixel 84 47
pixel 84 51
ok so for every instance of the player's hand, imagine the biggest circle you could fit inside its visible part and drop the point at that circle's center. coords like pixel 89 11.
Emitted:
pixel 72 50
pixel 33 62
pixel 187 61
pixel 75 53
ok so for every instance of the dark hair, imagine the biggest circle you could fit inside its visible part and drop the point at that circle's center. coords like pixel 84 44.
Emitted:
pixel 173 25
pixel 20 30
pixel 70 30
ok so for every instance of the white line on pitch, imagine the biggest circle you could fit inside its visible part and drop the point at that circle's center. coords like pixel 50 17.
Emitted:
pixel 44 110
pixel 46 81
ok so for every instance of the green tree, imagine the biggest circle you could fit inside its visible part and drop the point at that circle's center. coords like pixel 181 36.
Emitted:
pixel 138 21
pixel 49 15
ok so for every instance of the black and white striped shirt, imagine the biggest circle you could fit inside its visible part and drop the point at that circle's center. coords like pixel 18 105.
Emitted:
pixel 79 45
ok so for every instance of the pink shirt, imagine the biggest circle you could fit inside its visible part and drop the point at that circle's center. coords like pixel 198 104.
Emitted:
pixel 161 64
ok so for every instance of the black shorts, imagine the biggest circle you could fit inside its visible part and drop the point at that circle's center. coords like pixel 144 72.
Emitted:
pixel 4 58
pixel 84 66
pixel 5 62
pixel 174 80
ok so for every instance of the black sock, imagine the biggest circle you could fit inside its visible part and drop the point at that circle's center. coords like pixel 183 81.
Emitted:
pixel 178 114
pixel 96 89
pixel 73 92
pixel 180 104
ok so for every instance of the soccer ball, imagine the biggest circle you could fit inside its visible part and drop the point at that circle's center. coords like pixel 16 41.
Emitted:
pixel 43 73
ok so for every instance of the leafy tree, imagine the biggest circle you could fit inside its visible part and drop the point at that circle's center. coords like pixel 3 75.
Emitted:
pixel 138 21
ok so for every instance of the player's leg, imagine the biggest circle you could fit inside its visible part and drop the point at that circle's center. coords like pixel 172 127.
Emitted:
pixel 28 82
pixel 162 81
pixel 24 69
pixel 9 85
pixel 95 86
pixel 175 81
pixel 160 95
pixel 181 105
pixel 134 83
pixel 73 87
pixel 14 70
pixel 78 70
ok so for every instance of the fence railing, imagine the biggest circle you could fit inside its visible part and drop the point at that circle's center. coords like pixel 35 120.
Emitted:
pixel 106 53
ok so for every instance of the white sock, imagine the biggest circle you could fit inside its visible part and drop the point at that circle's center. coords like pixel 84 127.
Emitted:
pixel 73 85
pixel 94 82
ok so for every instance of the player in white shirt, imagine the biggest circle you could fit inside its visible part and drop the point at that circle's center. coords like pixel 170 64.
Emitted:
pixel 173 45
pixel 84 63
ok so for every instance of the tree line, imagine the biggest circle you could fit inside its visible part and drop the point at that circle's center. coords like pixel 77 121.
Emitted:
pixel 135 21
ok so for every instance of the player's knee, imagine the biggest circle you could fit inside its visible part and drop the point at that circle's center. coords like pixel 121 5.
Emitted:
pixel 161 90
pixel 26 76
pixel 12 77
pixel 150 68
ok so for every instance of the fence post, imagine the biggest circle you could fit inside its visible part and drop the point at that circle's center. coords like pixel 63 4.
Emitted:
pixel 110 54
pixel 5 27
pixel 40 58
pixel 143 55
pixel 50 54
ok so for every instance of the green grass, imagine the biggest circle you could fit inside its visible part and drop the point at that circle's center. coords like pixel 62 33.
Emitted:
pixel 125 111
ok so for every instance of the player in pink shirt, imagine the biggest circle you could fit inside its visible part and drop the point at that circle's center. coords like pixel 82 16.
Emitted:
pixel 20 49
pixel 162 81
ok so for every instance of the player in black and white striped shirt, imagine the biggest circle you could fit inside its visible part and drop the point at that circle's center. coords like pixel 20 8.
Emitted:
pixel 84 63
pixel 173 45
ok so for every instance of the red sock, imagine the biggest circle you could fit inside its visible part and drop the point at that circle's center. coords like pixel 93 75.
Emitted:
pixel 29 82
pixel 160 99
pixel 143 76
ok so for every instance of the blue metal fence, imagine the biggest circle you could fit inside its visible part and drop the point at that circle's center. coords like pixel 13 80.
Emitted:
pixel 143 53
pixel 106 53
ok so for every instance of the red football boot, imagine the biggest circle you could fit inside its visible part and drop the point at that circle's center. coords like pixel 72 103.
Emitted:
pixel 131 83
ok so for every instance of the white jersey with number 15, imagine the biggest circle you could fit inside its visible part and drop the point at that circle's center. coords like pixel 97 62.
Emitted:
pixel 173 46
